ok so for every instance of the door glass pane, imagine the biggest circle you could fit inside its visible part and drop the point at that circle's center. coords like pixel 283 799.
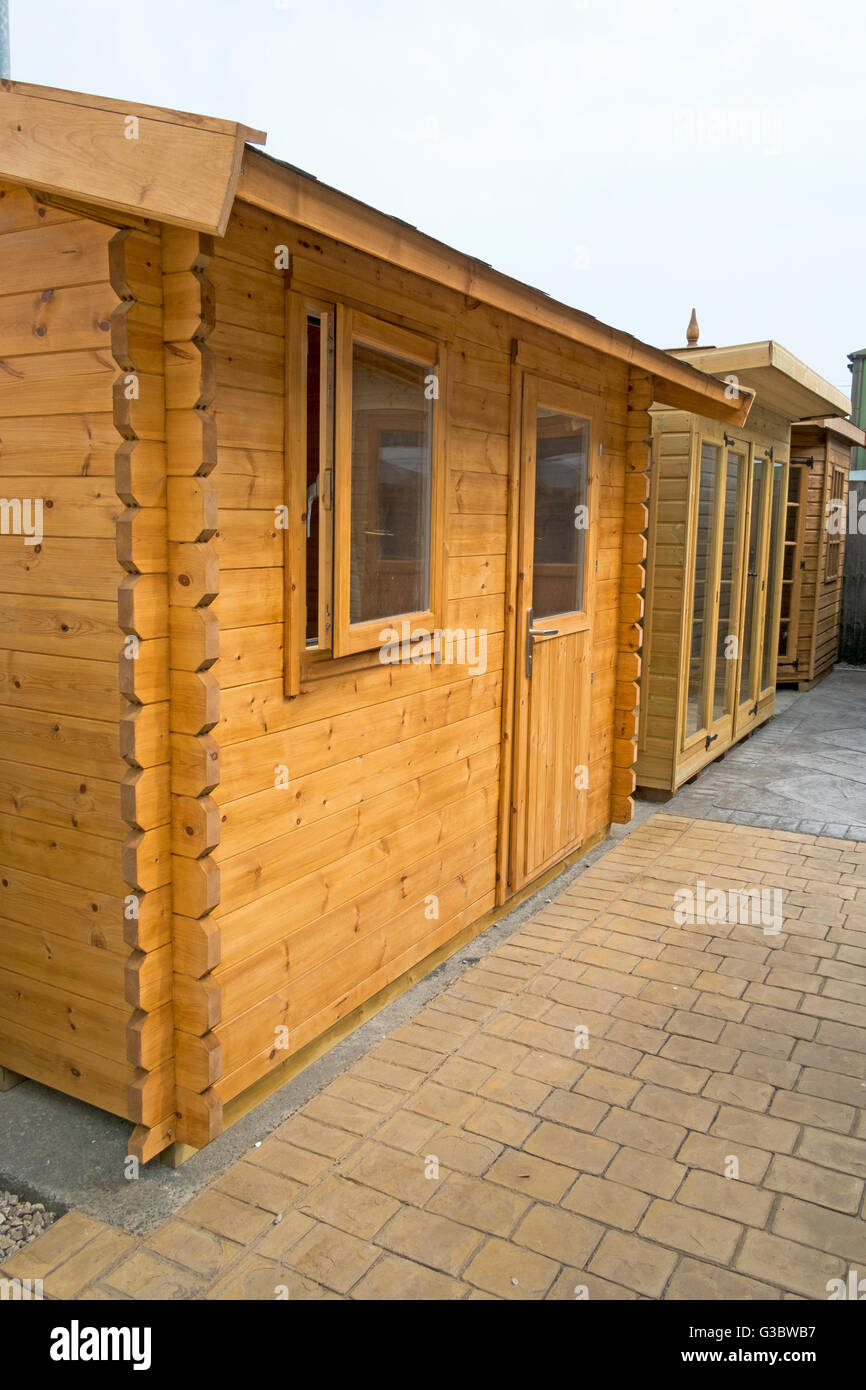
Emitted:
pixel 725 656
pixel 561 519
pixel 392 477
pixel 768 666
pixel 753 588
pixel 702 596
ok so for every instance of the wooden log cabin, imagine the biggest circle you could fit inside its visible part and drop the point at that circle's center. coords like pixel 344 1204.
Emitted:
pixel 716 560
pixel 325 645
pixel 816 525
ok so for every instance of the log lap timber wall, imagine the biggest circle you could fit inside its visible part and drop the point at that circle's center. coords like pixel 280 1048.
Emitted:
pixel 168 908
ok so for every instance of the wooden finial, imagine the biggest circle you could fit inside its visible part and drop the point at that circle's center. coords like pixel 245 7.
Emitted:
pixel 693 332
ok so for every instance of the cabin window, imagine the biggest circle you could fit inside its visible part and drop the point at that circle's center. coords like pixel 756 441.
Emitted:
pixel 365 540
pixel 833 524
pixel 389 501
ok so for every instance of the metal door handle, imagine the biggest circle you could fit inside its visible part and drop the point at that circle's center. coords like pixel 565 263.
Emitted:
pixel 531 634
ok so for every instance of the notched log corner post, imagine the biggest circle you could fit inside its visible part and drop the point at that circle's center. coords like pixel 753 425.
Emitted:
pixel 193 584
pixel 631 596
pixel 143 617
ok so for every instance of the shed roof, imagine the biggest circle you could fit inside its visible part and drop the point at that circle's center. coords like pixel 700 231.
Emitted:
pixel 781 381
pixel 186 169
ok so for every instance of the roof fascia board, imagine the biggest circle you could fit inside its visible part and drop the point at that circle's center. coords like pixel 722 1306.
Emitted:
pixel 271 186
pixel 176 169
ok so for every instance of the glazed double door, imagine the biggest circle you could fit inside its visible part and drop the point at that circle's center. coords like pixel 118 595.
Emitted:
pixel 733 585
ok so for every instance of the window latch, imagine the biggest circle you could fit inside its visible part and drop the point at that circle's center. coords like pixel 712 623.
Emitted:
pixel 312 494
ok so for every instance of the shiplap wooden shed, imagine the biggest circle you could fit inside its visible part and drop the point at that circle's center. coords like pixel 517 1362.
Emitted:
pixel 715 561
pixel 327 648
pixel 816 526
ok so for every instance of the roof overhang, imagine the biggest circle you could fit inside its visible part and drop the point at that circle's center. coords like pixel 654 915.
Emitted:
pixel 845 429
pixel 288 192
pixel 781 382
pixel 171 166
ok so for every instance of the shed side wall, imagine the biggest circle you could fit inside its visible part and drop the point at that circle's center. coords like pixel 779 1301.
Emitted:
pixel 327 887
pixel 63 1014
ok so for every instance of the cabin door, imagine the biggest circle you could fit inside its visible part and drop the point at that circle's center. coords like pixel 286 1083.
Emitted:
pixel 557 525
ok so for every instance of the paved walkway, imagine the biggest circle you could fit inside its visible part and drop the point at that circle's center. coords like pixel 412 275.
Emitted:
pixel 610 1102
pixel 805 770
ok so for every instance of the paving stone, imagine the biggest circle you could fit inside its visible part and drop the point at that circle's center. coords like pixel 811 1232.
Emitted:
pixel 501 1122
pixel 258 1187
pixel 536 1176
pixel 635 1263
pixel 822 1228
pixel 811 1110
pixel 612 1203
pixel 305 1133
pixel 607 1086
pixel 704 1151
pixel 58 1243
pixel 646 1172
pixel 397 1174
pixel 143 1276
pixel 350 1206
pixel 331 1257
pixel 735 1124
pixel 334 1110
pixel 430 1239
pixel 444 1103
pixel 262 1281
pixel 91 1262
pixel 729 1197
pixel 410 1131
pixel 292 1162
pixel 394 1279
pixel 815 1184
pixel 226 1216
pixel 577 1285
pixel 204 1252
pixel 641 1132
pixel 695 1232
pixel 584 1152
pixel 564 1237
pixel 519 1091
pixel 481 1204
pixel 739 1090
pixel 510 1272
pixel 574 1110
pixel 664 1104
pixel 833 1151
pixel 788 1264
pixel 694 1280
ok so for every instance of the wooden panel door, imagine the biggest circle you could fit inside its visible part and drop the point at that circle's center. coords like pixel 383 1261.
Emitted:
pixel 792 565
pixel 557 538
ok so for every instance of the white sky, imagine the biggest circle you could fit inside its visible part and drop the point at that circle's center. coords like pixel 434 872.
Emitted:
pixel 631 157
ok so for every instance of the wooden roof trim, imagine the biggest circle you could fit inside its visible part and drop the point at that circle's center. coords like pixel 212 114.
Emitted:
pixel 745 357
pixel 134 108
pixel 286 192
pixel 846 429
pixel 181 169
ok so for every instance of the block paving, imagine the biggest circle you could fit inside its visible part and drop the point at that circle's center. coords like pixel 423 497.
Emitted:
pixel 481 1151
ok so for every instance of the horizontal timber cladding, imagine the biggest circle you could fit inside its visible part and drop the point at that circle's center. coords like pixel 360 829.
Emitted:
pixel 384 844
pixel 662 761
pixel 814 609
pixel 64 1012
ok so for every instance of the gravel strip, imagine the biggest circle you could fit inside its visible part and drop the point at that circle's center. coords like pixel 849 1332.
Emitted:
pixel 20 1222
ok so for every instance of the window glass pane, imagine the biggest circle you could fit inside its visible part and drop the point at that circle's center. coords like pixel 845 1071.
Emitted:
pixel 702 595
pixel 753 588
pixel 559 551
pixel 392 481
pixel 771 639
pixel 725 664
pixel 320 435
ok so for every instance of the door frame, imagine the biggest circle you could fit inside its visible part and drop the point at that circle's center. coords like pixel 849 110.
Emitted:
pixel 747 709
pixel 534 387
